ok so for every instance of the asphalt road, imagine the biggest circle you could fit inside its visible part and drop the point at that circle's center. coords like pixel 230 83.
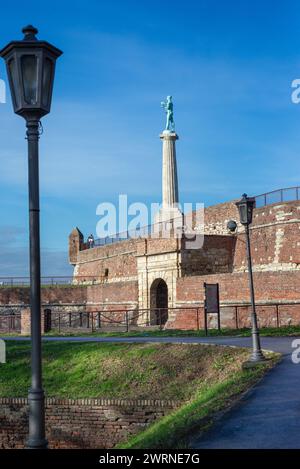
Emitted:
pixel 268 416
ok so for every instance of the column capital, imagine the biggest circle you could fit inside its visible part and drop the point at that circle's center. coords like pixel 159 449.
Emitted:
pixel 167 135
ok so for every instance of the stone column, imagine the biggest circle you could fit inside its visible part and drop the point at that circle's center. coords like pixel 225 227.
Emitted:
pixel 169 170
pixel 170 200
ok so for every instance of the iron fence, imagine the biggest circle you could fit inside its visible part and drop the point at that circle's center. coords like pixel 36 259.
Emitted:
pixel 123 320
pixel 277 196
pixel 281 195
pixel 275 314
pixel 142 232
pixel 10 322
pixel 51 281
pixel 191 318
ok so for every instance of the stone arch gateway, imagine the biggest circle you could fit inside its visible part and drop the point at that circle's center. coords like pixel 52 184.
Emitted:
pixel 158 302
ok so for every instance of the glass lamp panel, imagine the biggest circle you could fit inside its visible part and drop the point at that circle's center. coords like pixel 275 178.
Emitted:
pixel 243 213
pixel 47 80
pixel 12 66
pixel 30 78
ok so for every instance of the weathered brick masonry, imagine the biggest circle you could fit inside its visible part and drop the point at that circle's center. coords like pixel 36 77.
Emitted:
pixel 80 423
pixel 276 263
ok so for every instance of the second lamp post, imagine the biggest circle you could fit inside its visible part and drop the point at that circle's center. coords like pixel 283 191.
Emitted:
pixel 245 207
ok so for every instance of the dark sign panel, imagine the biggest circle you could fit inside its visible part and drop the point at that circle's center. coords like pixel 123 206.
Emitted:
pixel 211 303
pixel 212 297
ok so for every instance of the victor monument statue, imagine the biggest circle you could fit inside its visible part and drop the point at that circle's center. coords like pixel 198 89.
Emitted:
pixel 168 107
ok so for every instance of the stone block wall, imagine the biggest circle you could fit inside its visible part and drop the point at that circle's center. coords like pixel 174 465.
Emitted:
pixel 80 423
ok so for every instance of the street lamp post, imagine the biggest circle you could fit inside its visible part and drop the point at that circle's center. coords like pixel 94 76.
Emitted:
pixel 245 207
pixel 30 65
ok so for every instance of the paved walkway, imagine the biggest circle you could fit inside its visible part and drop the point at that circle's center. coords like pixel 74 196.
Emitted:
pixel 267 417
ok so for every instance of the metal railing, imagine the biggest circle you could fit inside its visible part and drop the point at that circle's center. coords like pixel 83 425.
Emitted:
pixel 156 229
pixel 277 196
pixel 191 318
pixel 281 195
pixel 276 314
pixel 10 322
pixel 52 280
pixel 122 320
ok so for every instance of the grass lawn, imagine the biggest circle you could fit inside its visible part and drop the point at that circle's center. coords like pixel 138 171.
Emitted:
pixel 203 378
pixel 110 370
pixel 175 429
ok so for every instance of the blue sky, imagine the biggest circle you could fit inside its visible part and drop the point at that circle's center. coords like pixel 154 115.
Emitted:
pixel 229 66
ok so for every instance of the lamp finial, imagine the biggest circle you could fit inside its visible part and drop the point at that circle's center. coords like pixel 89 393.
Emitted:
pixel 29 33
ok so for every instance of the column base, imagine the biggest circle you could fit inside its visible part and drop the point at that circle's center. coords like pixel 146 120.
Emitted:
pixel 252 363
pixel 36 438
pixel 34 443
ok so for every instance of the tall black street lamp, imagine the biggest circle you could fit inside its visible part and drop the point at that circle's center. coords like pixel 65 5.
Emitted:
pixel 245 207
pixel 30 65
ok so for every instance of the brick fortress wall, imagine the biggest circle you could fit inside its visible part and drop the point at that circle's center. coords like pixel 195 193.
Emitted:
pixel 275 243
pixel 118 283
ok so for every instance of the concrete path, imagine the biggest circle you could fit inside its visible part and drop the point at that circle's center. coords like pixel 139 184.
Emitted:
pixel 267 417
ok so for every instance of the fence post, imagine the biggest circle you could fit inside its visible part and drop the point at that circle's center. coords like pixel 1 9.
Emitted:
pixel 70 319
pixel 99 321
pixel 198 326
pixel 236 318
pixel 127 321
pixel 160 322
pixel 88 320
pixel 219 320
pixel 92 322
pixel 205 322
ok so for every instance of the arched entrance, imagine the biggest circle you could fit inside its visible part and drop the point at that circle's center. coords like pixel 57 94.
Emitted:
pixel 159 302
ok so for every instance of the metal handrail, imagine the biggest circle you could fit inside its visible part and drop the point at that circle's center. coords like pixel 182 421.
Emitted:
pixel 149 229
pixel 98 318
pixel 52 280
pixel 141 232
pixel 266 197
